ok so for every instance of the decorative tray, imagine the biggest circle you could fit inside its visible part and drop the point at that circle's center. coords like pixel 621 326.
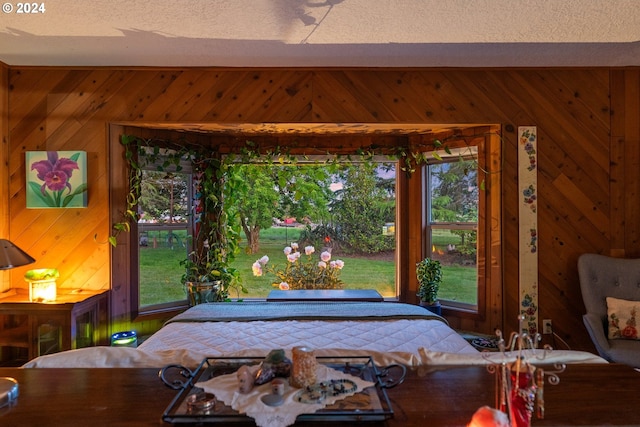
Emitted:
pixel 371 404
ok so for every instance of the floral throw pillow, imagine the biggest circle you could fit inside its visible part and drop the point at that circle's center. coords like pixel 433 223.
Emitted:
pixel 622 318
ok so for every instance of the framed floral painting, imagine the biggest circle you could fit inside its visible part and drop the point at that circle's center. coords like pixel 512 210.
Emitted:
pixel 56 179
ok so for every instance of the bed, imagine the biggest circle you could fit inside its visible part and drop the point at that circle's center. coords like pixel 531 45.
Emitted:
pixel 390 332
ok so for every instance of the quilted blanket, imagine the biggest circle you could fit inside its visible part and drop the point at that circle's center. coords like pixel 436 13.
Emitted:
pixel 393 332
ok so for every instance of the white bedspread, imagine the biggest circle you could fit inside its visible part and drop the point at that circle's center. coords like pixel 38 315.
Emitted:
pixel 395 329
pixel 403 336
pixel 389 333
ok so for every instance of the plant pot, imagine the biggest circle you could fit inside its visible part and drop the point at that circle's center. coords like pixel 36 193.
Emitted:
pixel 200 292
pixel 433 307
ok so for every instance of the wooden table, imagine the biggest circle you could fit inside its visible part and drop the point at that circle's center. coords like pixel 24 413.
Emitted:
pixel 75 319
pixel 586 395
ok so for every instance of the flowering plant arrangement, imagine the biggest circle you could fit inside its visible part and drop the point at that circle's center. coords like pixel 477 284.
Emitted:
pixel 303 272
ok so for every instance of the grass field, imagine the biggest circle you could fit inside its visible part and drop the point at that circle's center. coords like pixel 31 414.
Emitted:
pixel 160 272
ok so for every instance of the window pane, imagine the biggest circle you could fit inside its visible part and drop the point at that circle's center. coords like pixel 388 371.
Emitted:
pixel 452 226
pixel 456 251
pixel 349 210
pixel 453 192
pixel 163 236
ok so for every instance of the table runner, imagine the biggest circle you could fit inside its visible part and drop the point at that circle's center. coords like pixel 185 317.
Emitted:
pixel 297 310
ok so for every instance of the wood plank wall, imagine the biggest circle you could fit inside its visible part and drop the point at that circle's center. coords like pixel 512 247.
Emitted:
pixel 625 162
pixel 587 119
pixel 4 165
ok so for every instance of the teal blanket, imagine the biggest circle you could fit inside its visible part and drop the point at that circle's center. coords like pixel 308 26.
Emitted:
pixel 247 311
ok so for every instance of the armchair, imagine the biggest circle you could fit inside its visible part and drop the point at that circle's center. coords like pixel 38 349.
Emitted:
pixel 601 277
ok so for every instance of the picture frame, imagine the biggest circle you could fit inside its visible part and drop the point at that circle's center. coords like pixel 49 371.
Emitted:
pixel 56 179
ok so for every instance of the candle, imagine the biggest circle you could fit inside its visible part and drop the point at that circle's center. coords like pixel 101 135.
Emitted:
pixel 303 370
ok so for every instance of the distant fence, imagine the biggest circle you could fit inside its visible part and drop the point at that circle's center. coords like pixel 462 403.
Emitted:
pixel 163 235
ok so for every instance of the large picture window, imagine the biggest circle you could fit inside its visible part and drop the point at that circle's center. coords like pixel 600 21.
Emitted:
pixel 348 210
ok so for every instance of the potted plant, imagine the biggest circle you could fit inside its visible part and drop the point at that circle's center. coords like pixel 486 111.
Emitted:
pixel 429 274
pixel 208 276
pixel 204 280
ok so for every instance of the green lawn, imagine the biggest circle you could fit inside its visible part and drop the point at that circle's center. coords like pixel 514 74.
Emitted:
pixel 459 284
pixel 160 272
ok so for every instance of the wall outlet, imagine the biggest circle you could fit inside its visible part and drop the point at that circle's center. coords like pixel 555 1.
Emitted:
pixel 547 326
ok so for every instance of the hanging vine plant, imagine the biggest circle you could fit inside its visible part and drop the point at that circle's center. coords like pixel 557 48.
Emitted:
pixel 215 239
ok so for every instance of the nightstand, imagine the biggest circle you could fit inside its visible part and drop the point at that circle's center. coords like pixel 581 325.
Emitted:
pixel 29 329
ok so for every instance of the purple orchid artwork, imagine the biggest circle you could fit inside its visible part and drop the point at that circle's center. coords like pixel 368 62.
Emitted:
pixel 56 179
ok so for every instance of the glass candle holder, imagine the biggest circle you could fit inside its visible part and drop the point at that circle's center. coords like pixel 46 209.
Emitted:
pixel 42 284
pixel 124 339
pixel 523 393
pixel 304 367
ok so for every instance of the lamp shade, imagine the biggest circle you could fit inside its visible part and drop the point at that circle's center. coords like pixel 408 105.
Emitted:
pixel 12 256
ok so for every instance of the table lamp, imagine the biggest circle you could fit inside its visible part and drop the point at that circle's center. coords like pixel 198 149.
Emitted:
pixel 12 256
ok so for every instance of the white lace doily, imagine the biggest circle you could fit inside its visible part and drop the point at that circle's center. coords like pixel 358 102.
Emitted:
pixel 225 388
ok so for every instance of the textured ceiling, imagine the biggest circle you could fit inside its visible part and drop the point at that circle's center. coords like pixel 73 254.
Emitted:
pixel 457 33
